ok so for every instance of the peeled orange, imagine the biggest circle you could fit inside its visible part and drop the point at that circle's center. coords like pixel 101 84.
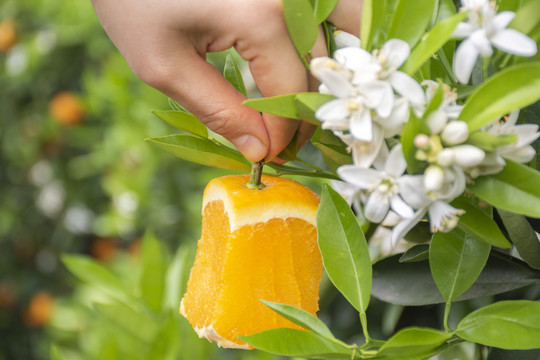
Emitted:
pixel 255 245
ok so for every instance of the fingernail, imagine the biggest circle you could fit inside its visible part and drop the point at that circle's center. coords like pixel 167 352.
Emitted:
pixel 251 147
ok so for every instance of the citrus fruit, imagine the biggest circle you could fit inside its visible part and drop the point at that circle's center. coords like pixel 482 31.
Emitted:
pixel 255 245
pixel 8 35
pixel 39 310
pixel 66 108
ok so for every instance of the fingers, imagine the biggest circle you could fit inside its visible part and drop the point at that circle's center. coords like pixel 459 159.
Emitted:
pixel 346 16
pixel 203 90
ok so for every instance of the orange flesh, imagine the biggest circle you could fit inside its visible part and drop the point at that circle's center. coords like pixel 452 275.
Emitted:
pixel 277 260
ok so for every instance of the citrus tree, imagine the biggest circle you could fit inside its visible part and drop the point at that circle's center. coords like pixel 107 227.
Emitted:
pixel 426 129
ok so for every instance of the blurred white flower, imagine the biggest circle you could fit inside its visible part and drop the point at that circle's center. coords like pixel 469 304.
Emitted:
pixel 519 151
pixel 79 219
pixel 381 186
pixel 50 199
pixel 345 39
pixel 484 29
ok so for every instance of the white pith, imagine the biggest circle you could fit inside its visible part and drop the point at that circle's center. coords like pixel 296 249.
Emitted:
pixel 210 334
pixel 258 214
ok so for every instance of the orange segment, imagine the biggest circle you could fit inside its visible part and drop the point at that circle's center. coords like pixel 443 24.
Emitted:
pixel 255 245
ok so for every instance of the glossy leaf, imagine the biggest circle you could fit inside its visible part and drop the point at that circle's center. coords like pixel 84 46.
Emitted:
pixel 488 141
pixel 526 19
pixel 201 151
pixel 291 150
pixel 302 318
pixel 513 88
pixel 523 236
pixel 505 324
pixel 153 272
pixel 416 253
pixel 322 9
pixel 456 260
pixel 308 103
pixel 333 156
pixel 55 353
pixel 411 283
pixel 136 323
pixel 301 24
pixel 232 73
pixel 178 274
pixel 282 105
pixel 500 354
pixel 514 189
pixel 432 42
pixel 410 130
pixel 292 342
pixel 412 341
pixel 344 249
pixel 410 20
pixel 183 121
pixel 373 23
pixel 92 272
pixel 480 225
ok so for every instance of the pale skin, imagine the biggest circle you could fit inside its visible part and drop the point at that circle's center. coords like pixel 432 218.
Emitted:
pixel 165 43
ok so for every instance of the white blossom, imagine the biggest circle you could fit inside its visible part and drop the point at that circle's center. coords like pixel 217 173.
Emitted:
pixel 484 29
pixel 381 186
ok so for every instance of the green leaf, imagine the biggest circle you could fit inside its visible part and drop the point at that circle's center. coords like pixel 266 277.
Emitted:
pixel 90 271
pixel 135 323
pixel 412 341
pixel 301 317
pixel 411 19
pixel 526 19
pixel 183 121
pixel 55 353
pixel 322 9
pixel 282 105
pixel 292 342
pixel 499 354
pixel 344 249
pixel 480 225
pixel 165 345
pixel 416 253
pixel 432 42
pixel 201 151
pixel 488 141
pixel 411 283
pixel 308 103
pixel 232 73
pixel 523 236
pixel 505 324
pixel 333 156
pixel 178 274
pixel 456 260
pixel 290 151
pixel 511 89
pixel 301 23
pixel 514 189
pixel 410 130
pixel 154 267
pixel 176 106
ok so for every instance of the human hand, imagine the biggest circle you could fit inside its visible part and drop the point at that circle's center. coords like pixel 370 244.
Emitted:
pixel 165 43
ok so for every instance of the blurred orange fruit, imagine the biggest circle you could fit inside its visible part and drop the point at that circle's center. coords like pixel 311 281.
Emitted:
pixel 255 245
pixel 39 310
pixel 66 108
pixel 104 249
pixel 8 35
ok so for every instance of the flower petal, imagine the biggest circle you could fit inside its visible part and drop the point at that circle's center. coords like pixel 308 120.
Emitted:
pixel 358 176
pixel 395 51
pixel 393 124
pixel 365 153
pixel 353 58
pixel 502 19
pixel 344 39
pixel 377 207
pixel 401 207
pixel 407 87
pixel 482 43
pixel 411 188
pixel 379 96
pixel 401 229
pixel 395 163
pixel 463 30
pixel 334 110
pixel 361 126
pixel 464 60
pixel 514 42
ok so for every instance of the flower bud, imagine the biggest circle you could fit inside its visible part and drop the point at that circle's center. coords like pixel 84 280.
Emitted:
pixel 437 121
pixel 421 141
pixel 455 132
pixel 468 156
pixel 433 178
pixel 446 157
